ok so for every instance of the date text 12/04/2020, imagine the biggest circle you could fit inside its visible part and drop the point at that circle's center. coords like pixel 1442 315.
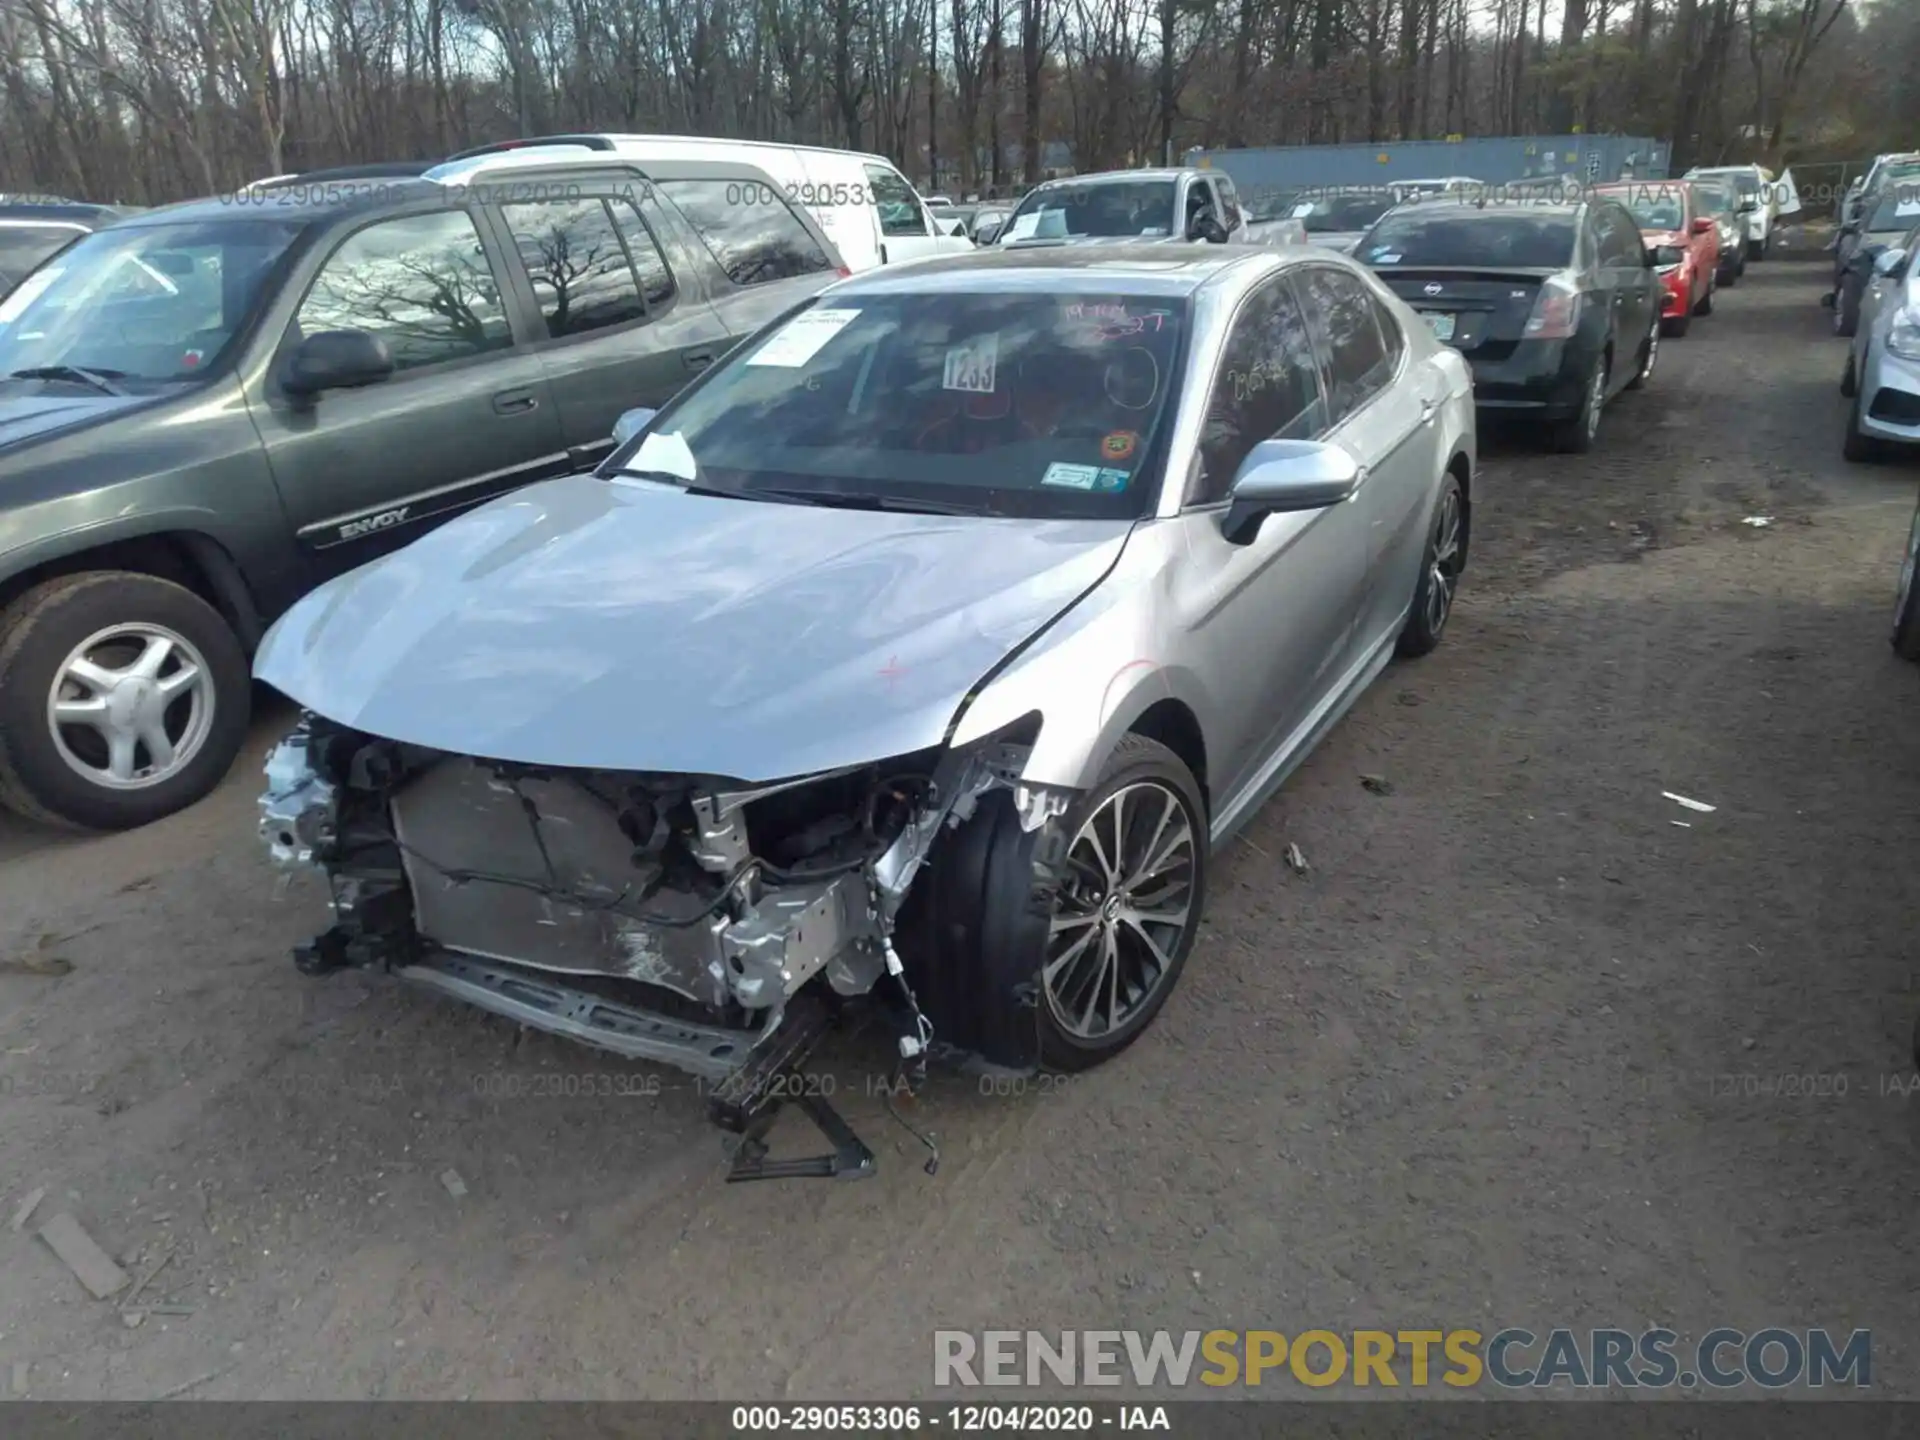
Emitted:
pixel 962 1419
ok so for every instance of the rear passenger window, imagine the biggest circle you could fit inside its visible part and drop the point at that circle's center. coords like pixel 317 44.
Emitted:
pixel 577 263
pixel 750 229
pixel 1349 320
pixel 1268 388
pixel 656 278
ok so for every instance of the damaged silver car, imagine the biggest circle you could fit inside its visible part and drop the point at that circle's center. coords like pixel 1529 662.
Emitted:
pixel 907 665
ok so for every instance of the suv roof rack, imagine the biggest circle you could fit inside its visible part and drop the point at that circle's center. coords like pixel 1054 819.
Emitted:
pixel 500 147
pixel 383 169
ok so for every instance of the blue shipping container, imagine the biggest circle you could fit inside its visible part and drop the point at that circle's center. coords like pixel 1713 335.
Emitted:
pixel 1496 160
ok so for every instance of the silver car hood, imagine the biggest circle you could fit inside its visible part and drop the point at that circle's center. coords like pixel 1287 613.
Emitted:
pixel 618 626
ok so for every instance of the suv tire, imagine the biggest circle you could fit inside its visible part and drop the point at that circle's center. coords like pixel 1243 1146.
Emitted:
pixel 105 623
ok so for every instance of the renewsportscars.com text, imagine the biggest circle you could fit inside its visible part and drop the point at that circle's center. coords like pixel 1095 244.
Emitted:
pixel 1513 1359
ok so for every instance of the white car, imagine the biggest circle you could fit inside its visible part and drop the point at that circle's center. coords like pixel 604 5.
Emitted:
pixel 869 211
pixel 1775 199
pixel 1167 207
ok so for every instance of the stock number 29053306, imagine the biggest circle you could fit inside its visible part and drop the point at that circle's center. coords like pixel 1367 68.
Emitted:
pixel 825 1418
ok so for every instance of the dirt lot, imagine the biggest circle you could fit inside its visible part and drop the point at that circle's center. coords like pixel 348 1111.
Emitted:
pixel 1501 1058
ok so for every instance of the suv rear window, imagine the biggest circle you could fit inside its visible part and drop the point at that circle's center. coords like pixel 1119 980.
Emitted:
pixel 1501 238
pixel 750 229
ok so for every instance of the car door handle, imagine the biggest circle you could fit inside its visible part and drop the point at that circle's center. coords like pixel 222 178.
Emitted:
pixel 699 359
pixel 883 254
pixel 515 402
pixel 1428 409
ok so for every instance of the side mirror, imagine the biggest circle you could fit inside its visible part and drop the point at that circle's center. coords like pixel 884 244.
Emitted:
pixel 1703 224
pixel 337 360
pixel 1286 476
pixel 1652 256
pixel 986 234
pixel 1889 262
pixel 630 424
pixel 1204 227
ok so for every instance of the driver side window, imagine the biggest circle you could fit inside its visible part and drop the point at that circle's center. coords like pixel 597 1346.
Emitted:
pixel 421 283
pixel 899 207
pixel 1267 388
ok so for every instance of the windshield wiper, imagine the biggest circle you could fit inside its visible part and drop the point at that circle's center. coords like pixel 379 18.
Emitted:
pixel 101 380
pixel 848 500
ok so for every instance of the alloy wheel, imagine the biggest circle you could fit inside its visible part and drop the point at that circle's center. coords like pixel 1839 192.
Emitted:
pixel 1445 565
pixel 1123 910
pixel 1596 398
pixel 131 706
pixel 1653 351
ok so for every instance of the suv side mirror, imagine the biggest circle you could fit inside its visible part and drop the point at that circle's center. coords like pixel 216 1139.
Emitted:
pixel 1888 262
pixel 630 424
pixel 1283 477
pixel 337 360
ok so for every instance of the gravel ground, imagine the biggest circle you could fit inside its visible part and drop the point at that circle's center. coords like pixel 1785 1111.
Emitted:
pixel 1507 1055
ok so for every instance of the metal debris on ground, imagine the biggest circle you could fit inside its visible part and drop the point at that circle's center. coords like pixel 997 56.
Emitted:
pixel 1700 805
pixel 91 1265
pixel 1378 784
pixel 456 1187
pixel 1759 522
pixel 147 1279
pixel 24 1211
pixel 1296 859
pixel 1681 823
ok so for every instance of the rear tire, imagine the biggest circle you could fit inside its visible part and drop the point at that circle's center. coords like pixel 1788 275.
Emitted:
pixel 1159 790
pixel 98 623
pixel 1442 561
pixel 1575 435
pixel 1676 326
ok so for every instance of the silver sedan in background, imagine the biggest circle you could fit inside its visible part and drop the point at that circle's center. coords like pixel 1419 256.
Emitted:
pixel 1882 376
pixel 923 651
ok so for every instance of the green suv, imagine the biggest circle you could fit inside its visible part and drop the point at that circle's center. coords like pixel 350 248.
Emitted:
pixel 208 409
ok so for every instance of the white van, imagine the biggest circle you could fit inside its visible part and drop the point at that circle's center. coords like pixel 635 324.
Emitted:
pixel 869 211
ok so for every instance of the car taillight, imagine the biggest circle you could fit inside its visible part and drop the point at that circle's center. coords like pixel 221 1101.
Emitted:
pixel 844 273
pixel 1556 311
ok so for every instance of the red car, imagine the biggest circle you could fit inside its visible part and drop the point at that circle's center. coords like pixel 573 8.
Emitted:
pixel 1674 223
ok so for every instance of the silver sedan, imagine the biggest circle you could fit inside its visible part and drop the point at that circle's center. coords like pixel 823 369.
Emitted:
pixel 921 653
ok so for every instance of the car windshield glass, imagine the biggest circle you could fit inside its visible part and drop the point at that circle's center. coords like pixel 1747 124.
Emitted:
pixel 1111 210
pixel 988 402
pixel 1499 238
pixel 149 302
pixel 1898 207
pixel 24 246
pixel 1332 214
pixel 1713 197
pixel 1656 207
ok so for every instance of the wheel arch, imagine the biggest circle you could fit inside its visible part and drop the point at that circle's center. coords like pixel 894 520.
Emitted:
pixel 187 557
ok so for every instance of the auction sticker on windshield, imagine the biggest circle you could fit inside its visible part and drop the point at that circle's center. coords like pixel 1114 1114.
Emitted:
pixel 26 292
pixel 970 367
pixel 1073 477
pixel 802 338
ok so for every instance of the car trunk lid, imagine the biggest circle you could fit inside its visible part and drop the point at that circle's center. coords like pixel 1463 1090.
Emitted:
pixel 1471 309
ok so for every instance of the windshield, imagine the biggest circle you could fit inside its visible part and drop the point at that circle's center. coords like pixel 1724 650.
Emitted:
pixel 1038 405
pixel 1481 237
pixel 1898 208
pixel 24 246
pixel 1714 197
pixel 1656 207
pixel 1113 209
pixel 1330 214
pixel 151 302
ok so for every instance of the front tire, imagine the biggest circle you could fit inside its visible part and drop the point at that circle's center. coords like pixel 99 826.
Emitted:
pixel 1856 445
pixel 1649 356
pixel 123 698
pixel 1675 326
pixel 1846 311
pixel 1849 379
pixel 1442 562
pixel 1705 307
pixel 1132 888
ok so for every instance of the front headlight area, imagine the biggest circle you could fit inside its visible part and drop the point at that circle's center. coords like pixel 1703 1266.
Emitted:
pixel 1903 335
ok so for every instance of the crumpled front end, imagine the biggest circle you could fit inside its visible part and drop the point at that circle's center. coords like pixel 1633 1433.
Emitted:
pixel 681 919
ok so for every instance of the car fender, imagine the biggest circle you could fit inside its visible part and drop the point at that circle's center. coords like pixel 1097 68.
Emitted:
pixel 1090 675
